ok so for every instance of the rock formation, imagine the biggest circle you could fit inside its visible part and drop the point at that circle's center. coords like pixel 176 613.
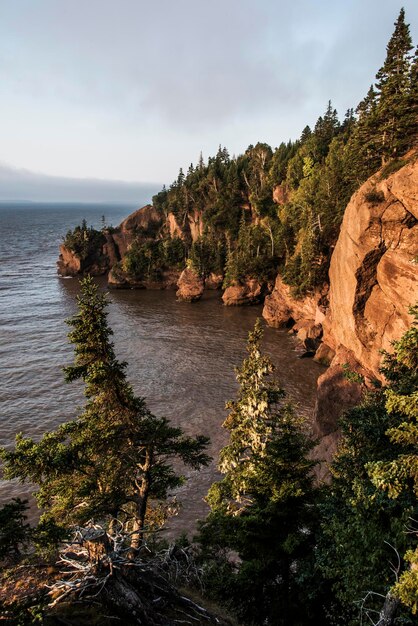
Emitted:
pixel 373 281
pixel 373 272
pixel 190 286
pixel 251 292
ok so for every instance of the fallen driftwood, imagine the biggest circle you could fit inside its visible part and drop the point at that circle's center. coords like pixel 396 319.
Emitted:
pixel 101 569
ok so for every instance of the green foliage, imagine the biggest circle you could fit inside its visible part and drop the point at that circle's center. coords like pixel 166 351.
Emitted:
pixel 396 122
pixel 254 255
pixel 373 495
pixel 207 255
pixel 262 508
pixel 115 457
pixel 401 401
pixel 398 477
pixel 47 536
pixel 145 260
pixel 14 532
pixel 351 376
pixel 391 167
pixel 359 525
pixel 84 240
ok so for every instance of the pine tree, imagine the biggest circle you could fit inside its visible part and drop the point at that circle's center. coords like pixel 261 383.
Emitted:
pixel 413 99
pixel 399 476
pixel 393 112
pixel 115 457
pixel 263 506
pixel 363 525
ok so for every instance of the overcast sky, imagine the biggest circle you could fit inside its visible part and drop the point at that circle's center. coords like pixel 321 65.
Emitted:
pixel 132 89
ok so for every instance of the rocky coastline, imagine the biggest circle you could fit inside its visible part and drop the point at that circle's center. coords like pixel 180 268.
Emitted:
pixel 344 325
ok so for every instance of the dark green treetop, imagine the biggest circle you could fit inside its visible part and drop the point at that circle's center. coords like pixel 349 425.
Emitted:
pixel 115 456
pixel 263 506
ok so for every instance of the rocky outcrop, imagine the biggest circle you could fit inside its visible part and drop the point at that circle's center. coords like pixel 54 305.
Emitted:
pixel 373 272
pixel 143 224
pixel 214 281
pixel 281 194
pixel 69 263
pixel 96 263
pixel 111 245
pixel 188 229
pixel 167 279
pixel 303 315
pixel 250 292
pixel 190 286
pixel 373 282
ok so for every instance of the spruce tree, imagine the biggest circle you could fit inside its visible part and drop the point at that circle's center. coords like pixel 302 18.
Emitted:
pixel 393 111
pixel 115 456
pixel 362 525
pixel 399 477
pixel 413 100
pixel 263 508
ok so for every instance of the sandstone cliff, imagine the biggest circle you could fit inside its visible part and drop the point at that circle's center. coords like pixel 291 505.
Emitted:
pixel 373 272
pixel 373 280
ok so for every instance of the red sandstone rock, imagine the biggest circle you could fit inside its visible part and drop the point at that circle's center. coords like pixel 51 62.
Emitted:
pixel 190 286
pixel 373 273
pixel 68 264
pixel 214 281
pixel 252 292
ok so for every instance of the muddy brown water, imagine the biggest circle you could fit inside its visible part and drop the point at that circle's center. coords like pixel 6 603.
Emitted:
pixel 181 356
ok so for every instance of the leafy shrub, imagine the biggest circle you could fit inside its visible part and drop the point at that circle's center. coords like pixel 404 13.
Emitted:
pixel 374 197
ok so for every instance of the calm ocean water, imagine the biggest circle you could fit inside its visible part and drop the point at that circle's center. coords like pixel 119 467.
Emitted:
pixel 181 356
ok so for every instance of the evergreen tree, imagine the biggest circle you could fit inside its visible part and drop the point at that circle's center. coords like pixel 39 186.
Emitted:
pixel 263 506
pixel 115 456
pixel 393 110
pixel 399 477
pixel 361 525
pixel 360 528
pixel 413 99
pixel 14 531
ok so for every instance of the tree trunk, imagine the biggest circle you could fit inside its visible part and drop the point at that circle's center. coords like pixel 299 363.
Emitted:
pixel 389 611
pixel 98 546
pixel 139 522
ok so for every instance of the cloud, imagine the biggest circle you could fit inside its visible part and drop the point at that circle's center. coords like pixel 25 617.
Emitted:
pixel 18 184
pixel 112 88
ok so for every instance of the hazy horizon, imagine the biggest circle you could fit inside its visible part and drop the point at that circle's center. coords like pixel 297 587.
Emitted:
pixel 18 185
pixel 120 94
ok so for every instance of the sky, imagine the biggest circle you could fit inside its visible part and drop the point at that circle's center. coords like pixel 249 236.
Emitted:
pixel 131 90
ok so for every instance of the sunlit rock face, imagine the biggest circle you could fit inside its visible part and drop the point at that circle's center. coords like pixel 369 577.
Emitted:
pixel 373 272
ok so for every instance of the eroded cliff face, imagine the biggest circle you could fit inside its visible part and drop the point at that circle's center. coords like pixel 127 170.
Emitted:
pixel 373 272
pixel 373 280
pixel 146 223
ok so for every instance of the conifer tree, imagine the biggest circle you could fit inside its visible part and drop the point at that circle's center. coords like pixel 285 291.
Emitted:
pixel 413 99
pixel 363 526
pixel 263 506
pixel 115 456
pixel 393 111
pixel 399 476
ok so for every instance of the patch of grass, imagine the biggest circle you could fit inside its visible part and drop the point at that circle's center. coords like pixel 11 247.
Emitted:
pixel 392 167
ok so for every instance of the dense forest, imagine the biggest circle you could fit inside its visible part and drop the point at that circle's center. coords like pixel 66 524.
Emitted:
pixel 268 210
pixel 277 548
